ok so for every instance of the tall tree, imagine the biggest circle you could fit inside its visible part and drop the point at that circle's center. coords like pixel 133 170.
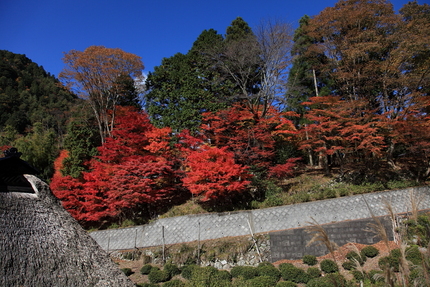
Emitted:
pixel 94 74
pixel 356 38
pixel 303 80
pixel 134 173
pixel 186 85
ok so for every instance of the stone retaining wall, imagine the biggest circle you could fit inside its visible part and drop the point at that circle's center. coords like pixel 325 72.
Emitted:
pixel 212 226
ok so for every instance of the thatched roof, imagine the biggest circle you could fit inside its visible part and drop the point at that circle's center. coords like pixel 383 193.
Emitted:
pixel 42 245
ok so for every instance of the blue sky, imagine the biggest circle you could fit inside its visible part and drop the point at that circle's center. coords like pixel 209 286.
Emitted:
pixel 151 29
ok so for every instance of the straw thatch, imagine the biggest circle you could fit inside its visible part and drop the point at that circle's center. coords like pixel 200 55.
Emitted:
pixel 42 245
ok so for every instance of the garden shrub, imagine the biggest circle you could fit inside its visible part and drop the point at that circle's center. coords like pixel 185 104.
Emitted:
pixel 172 269
pixel 207 276
pixel 319 282
pixel 265 264
pixel 352 256
pixel 391 260
pixel 288 271
pixel 247 272
pixel 414 255
pixel 146 269
pixel 375 276
pixel 313 272
pixel 187 271
pixel 222 275
pixel 269 270
pixel 286 284
pixel 330 280
pixel 369 251
pixel 263 281
pixel 329 266
pixel 291 273
pixel 348 265
pixel 157 276
pixel 357 275
pixel 174 283
pixel 301 276
pixel 127 271
pixel 310 260
pixel 147 285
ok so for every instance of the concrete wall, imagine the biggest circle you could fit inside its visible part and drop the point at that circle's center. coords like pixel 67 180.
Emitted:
pixel 211 226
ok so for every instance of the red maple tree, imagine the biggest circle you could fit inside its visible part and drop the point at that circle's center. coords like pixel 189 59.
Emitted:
pixel 213 174
pixel 135 169
pixel 251 139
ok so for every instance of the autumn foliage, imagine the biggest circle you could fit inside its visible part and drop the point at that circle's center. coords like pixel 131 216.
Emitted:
pixel 366 66
pixel 134 169
pixel 214 174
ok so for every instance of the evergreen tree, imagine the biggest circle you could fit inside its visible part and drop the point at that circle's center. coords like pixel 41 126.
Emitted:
pixel 186 85
pixel 303 80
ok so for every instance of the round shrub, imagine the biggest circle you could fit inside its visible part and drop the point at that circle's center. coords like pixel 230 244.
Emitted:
pixel 333 279
pixel 222 275
pixel 174 283
pixel 392 260
pixel 288 271
pixel 354 256
pixel 146 269
pixel 301 276
pixel 265 264
pixel 313 272
pixel 319 282
pixel 348 265
pixel 172 269
pixel 369 251
pixel 269 270
pixel 291 273
pixel 414 255
pixel 262 281
pixel 147 285
pixel 127 271
pixel 310 260
pixel 286 284
pixel 357 275
pixel 157 276
pixel 187 271
pixel 329 266
pixel 375 276
pixel 207 276
pixel 247 272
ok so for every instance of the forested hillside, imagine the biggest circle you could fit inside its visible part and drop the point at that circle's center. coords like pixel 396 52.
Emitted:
pixel 229 123
pixel 34 110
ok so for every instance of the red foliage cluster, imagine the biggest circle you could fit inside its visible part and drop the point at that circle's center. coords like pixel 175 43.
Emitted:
pixel 137 166
pixel 213 173
pixel 251 139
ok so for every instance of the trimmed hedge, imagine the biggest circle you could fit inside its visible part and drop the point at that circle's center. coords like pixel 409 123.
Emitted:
pixel 174 283
pixel 369 251
pixel 330 280
pixel 187 271
pixel 247 272
pixel 172 269
pixel 291 273
pixel 157 276
pixel 263 281
pixel 146 269
pixel 352 256
pixel 313 272
pixel 269 270
pixel 329 266
pixel 127 271
pixel 310 260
